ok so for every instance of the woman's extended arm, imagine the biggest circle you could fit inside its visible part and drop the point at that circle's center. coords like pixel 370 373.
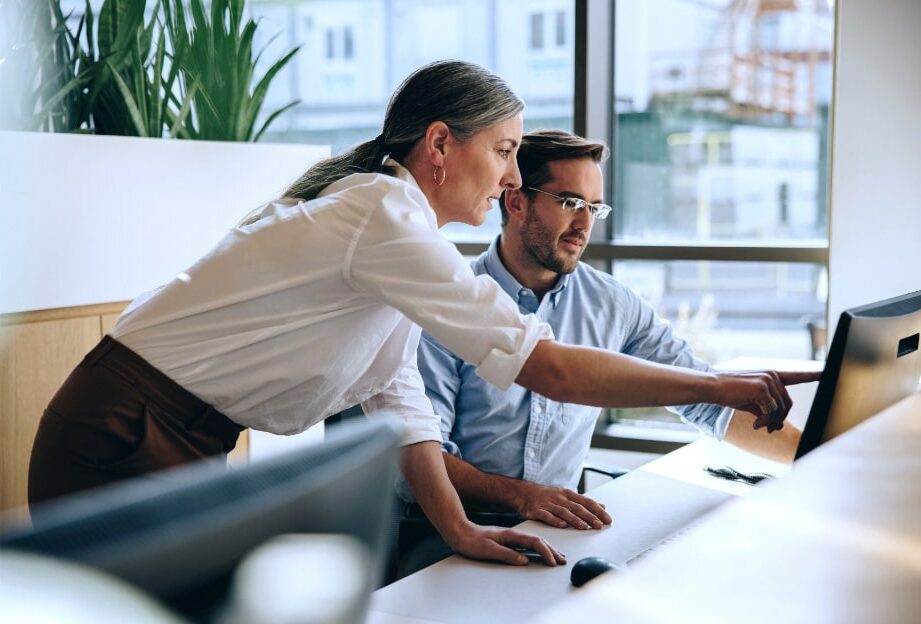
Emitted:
pixel 602 378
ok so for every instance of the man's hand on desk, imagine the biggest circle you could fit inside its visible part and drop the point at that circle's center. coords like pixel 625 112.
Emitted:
pixel 498 544
pixel 558 507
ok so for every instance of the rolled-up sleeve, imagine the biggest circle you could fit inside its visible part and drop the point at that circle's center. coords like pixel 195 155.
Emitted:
pixel 440 373
pixel 400 257
pixel 405 400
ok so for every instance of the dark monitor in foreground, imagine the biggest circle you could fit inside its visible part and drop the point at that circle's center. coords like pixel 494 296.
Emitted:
pixel 873 362
pixel 180 538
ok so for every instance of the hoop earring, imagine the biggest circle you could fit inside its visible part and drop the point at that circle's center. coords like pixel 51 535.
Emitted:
pixel 444 174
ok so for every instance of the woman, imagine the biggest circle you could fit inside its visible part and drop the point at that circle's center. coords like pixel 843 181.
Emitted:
pixel 314 302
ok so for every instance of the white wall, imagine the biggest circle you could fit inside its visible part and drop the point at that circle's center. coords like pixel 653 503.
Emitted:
pixel 90 219
pixel 875 221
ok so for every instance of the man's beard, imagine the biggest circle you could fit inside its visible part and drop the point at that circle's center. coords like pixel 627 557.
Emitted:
pixel 541 245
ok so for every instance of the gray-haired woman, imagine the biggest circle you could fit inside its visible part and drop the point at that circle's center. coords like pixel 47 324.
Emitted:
pixel 315 302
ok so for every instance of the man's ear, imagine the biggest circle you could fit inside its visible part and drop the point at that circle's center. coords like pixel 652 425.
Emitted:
pixel 437 136
pixel 516 203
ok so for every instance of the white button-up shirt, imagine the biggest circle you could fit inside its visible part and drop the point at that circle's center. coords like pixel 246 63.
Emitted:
pixel 316 306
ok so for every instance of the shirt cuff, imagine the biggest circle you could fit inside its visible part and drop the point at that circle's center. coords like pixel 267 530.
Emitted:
pixel 415 426
pixel 501 368
pixel 722 423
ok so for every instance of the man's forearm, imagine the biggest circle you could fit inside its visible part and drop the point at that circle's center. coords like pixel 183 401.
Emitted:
pixel 480 489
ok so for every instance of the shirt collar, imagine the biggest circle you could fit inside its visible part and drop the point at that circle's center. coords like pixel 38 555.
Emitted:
pixel 507 281
pixel 402 173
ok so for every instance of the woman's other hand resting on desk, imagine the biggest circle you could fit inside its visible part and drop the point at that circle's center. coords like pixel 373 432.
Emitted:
pixel 424 468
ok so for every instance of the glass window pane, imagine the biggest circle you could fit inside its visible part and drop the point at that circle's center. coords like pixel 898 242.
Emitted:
pixel 731 309
pixel 330 44
pixel 348 46
pixel 722 119
pixel 537 31
pixel 377 44
pixel 561 28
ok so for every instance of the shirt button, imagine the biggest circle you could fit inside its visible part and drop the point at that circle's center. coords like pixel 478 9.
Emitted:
pixel 531 453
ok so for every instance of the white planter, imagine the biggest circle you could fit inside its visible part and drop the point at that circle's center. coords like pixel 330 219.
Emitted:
pixel 93 219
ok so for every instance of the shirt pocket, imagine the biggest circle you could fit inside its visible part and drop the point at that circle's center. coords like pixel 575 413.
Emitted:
pixel 573 415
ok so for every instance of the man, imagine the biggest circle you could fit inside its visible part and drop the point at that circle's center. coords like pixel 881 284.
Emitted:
pixel 517 451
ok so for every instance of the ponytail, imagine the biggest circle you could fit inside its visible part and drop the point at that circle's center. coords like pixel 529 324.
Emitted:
pixel 367 157
pixel 464 96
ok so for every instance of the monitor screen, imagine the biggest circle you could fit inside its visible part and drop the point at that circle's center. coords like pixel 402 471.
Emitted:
pixel 872 363
pixel 180 535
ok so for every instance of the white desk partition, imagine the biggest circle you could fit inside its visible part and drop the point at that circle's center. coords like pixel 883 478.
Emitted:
pixel 95 219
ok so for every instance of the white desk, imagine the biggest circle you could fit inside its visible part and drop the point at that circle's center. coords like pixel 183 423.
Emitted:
pixel 838 540
pixel 647 505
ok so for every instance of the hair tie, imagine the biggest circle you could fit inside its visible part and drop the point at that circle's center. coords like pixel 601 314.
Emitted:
pixel 379 139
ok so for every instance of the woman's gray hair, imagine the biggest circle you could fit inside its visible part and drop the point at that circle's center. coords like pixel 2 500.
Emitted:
pixel 464 96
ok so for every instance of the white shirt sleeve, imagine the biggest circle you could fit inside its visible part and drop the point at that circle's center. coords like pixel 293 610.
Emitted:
pixel 405 400
pixel 399 257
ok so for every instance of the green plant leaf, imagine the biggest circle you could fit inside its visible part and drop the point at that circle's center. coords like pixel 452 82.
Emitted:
pixel 262 88
pixel 272 118
pixel 136 117
pixel 159 103
pixel 67 89
pixel 107 27
pixel 184 109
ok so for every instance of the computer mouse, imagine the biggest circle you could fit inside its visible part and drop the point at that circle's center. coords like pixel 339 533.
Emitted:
pixel 588 568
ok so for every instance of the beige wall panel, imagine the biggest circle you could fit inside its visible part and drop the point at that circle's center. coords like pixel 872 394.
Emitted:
pixel 239 456
pixel 35 358
pixel 107 322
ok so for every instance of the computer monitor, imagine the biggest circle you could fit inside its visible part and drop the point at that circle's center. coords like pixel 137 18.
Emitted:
pixel 180 537
pixel 872 363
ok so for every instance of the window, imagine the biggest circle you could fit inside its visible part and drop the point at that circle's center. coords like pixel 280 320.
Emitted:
pixel 561 29
pixel 343 103
pixel 537 31
pixel 347 43
pixel 330 44
pixel 339 42
pixel 719 171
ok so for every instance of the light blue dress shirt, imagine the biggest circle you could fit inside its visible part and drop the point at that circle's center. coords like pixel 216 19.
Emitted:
pixel 521 434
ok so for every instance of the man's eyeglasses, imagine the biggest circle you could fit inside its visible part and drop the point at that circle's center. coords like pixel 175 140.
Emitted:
pixel 574 204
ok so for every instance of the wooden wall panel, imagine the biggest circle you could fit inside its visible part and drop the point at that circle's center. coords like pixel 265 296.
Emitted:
pixel 35 358
pixel 107 322
pixel 37 352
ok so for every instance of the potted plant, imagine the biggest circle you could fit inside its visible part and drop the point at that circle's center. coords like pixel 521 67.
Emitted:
pixel 176 74
pixel 95 198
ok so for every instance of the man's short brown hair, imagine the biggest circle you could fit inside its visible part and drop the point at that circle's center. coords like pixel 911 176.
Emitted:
pixel 539 148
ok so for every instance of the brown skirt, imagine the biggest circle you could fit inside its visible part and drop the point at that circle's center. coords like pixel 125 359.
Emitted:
pixel 117 417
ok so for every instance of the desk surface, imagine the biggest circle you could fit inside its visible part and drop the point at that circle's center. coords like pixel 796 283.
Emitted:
pixel 838 540
pixel 647 505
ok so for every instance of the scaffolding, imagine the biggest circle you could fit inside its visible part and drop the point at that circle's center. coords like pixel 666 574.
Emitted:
pixel 762 62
